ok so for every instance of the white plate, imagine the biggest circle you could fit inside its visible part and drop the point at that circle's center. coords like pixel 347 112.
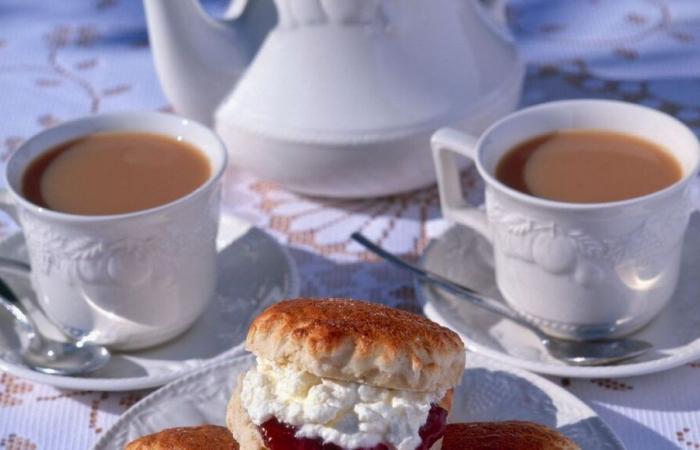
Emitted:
pixel 489 391
pixel 254 272
pixel 460 254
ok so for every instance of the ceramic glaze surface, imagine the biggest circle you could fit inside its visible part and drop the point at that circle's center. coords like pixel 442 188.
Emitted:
pixel 626 269
pixel 340 89
pixel 293 14
pixel 577 270
pixel 253 272
pixel 119 269
pixel 463 254
pixel 129 280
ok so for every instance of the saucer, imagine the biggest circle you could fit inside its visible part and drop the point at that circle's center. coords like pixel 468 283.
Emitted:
pixel 254 272
pixel 461 254
pixel 489 391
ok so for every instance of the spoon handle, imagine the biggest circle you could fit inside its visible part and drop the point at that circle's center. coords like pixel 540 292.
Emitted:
pixel 465 292
pixel 12 267
pixel 15 267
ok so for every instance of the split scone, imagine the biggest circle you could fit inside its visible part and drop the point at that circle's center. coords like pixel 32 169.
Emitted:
pixel 337 374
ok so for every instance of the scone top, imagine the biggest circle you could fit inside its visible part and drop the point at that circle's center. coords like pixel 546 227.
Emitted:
pixel 510 434
pixel 360 342
pixel 204 437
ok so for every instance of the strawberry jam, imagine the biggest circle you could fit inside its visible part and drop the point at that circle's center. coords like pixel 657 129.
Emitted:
pixel 281 436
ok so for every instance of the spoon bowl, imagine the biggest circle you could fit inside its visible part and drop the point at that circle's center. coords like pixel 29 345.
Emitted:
pixel 39 352
pixel 596 352
pixel 576 353
pixel 66 358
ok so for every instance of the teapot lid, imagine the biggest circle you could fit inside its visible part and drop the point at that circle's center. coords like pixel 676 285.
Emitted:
pixel 426 65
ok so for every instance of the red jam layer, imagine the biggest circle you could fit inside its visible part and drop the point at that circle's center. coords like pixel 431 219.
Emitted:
pixel 281 436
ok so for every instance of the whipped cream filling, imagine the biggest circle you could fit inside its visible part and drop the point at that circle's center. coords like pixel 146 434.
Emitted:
pixel 350 415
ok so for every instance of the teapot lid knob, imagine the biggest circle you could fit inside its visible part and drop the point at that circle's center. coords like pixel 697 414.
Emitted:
pixel 296 13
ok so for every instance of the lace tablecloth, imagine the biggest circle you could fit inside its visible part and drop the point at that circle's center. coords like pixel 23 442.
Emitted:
pixel 60 60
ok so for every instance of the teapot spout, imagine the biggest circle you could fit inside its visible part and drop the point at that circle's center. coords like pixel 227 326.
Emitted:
pixel 199 59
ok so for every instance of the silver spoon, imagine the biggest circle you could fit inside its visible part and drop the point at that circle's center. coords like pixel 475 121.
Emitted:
pixel 577 353
pixel 41 353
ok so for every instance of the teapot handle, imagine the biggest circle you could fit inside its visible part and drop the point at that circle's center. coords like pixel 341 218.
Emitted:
pixel 493 12
pixel 255 16
pixel 234 9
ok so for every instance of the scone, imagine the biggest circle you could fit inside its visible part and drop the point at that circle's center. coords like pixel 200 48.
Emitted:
pixel 513 435
pixel 337 374
pixel 205 437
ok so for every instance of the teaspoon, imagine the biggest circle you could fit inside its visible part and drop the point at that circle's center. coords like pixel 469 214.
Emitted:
pixel 577 353
pixel 41 353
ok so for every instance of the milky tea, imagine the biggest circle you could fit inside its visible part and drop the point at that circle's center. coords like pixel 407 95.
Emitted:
pixel 588 166
pixel 114 173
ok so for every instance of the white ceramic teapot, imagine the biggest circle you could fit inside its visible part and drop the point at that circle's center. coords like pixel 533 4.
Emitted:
pixel 335 97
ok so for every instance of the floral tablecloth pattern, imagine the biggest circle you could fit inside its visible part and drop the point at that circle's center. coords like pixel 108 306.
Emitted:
pixel 64 59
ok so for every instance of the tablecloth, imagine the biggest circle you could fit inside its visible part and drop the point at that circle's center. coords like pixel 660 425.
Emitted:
pixel 64 59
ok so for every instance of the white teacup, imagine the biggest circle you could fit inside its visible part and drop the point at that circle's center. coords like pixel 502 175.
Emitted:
pixel 128 280
pixel 581 271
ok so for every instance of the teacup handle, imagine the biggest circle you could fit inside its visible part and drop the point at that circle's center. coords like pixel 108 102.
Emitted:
pixel 447 142
pixel 28 304
pixel 8 206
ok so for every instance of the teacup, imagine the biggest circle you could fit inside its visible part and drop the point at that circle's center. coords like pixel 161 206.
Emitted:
pixel 130 280
pixel 580 271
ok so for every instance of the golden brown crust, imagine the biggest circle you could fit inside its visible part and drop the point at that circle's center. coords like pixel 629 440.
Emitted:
pixel 359 341
pixel 512 435
pixel 237 420
pixel 205 437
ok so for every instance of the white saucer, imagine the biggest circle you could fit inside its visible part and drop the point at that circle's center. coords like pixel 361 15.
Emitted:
pixel 488 392
pixel 254 272
pixel 460 254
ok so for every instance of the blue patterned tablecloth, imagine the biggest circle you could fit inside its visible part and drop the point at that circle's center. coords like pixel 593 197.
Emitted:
pixel 65 59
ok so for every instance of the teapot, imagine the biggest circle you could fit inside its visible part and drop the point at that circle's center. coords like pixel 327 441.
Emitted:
pixel 335 98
